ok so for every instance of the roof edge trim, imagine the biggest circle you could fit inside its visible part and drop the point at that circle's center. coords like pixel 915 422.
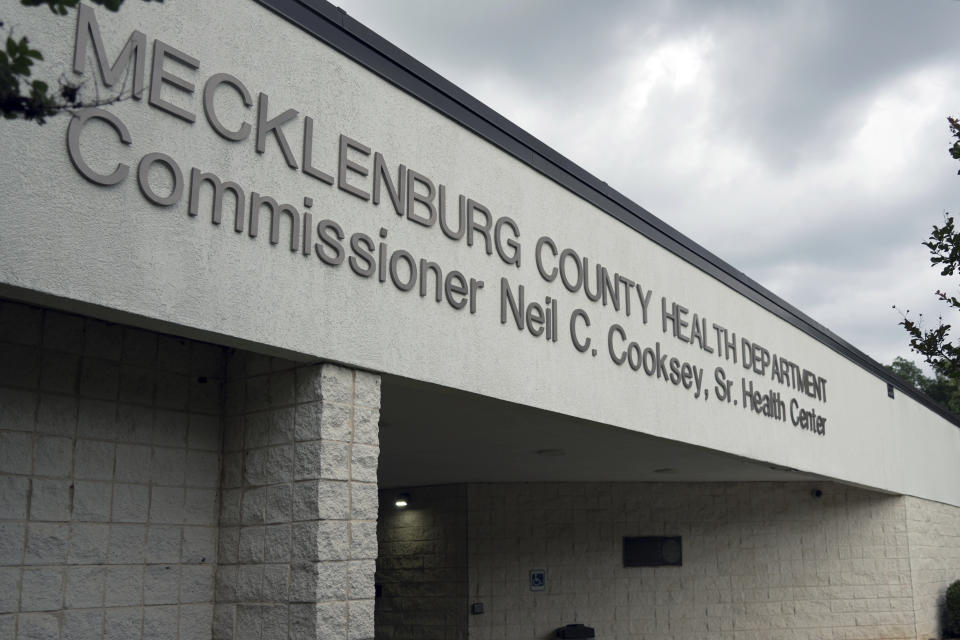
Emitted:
pixel 336 28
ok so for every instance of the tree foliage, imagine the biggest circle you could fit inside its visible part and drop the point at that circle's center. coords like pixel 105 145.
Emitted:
pixel 944 390
pixel 935 344
pixel 951 612
pixel 22 96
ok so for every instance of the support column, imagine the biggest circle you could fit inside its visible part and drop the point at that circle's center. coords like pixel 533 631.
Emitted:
pixel 298 540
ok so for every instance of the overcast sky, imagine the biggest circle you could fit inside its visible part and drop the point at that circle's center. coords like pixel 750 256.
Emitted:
pixel 804 142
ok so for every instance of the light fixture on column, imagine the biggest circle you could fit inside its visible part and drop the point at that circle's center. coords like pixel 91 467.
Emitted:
pixel 402 500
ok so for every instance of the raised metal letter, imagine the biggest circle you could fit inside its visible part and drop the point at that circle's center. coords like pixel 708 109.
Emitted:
pixel 73 145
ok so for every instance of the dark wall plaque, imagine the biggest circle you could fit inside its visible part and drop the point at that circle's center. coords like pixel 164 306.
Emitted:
pixel 652 551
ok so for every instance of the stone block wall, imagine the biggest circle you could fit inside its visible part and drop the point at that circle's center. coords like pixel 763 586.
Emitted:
pixel 422 565
pixel 299 505
pixel 933 532
pixel 760 561
pixel 109 468
pixel 157 488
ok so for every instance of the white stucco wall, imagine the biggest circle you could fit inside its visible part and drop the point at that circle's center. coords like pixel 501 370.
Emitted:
pixel 72 240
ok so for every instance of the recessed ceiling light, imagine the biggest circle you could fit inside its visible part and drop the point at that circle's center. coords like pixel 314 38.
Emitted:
pixel 402 501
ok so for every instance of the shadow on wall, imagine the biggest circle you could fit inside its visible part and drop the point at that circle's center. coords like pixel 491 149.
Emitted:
pixel 422 564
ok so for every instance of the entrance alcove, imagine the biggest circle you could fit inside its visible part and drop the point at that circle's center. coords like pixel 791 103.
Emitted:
pixel 495 490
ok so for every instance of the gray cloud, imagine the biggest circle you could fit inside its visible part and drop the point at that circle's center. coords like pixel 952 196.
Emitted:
pixel 804 142
pixel 799 80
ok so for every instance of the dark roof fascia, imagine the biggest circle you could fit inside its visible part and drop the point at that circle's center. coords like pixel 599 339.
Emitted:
pixel 334 27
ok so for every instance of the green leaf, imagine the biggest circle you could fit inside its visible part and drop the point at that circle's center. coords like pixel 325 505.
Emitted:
pixel 111 5
pixel 58 7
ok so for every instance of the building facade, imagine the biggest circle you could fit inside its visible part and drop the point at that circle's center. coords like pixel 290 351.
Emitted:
pixel 293 276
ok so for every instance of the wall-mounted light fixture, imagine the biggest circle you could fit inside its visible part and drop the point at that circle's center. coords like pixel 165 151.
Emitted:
pixel 401 501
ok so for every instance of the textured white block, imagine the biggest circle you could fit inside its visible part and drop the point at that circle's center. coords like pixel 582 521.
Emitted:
pixel 38 626
pixel 42 589
pixel 133 463
pixel 124 586
pixel 91 501
pixel 15 452
pixel 85 587
pixel 94 460
pixel 53 456
pixel 13 497
pixel 50 500
pixel 130 502
pixel 82 625
pixel 46 543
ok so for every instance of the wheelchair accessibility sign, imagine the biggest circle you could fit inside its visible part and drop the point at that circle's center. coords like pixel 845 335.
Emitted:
pixel 538 580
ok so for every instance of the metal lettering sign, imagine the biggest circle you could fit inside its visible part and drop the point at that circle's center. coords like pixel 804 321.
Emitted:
pixel 356 170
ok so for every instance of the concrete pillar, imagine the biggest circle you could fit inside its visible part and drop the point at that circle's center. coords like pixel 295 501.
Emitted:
pixel 298 544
